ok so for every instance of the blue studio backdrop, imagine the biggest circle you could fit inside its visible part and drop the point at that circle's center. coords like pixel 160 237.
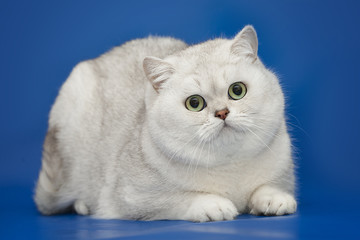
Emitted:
pixel 314 47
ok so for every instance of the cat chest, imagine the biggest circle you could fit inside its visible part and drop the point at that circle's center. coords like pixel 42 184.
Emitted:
pixel 236 185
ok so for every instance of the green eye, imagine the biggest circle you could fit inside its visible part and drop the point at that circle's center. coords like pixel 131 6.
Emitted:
pixel 195 103
pixel 237 91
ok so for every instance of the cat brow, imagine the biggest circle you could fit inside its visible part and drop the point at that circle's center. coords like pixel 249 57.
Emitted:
pixel 197 82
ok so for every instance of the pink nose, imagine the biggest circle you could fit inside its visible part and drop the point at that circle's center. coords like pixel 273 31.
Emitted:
pixel 222 114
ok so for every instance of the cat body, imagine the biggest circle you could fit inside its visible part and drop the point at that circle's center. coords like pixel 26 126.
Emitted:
pixel 123 141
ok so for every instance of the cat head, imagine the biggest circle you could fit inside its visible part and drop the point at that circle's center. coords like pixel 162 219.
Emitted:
pixel 213 102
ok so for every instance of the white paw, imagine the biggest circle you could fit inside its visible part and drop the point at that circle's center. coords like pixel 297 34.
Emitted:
pixel 210 207
pixel 81 208
pixel 278 203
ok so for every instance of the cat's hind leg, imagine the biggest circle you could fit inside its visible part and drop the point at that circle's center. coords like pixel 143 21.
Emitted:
pixel 48 196
pixel 81 208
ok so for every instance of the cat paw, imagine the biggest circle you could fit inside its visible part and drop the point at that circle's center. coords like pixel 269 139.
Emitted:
pixel 272 204
pixel 210 207
pixel 81 208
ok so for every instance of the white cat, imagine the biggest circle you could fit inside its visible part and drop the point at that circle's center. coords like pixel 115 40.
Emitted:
pixel 193 132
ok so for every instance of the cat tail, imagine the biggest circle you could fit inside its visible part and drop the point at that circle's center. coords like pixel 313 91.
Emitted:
pixel 47 193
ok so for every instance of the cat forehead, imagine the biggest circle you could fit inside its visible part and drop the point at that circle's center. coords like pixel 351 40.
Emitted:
pixel 206 60
pixel 210 79
pixel 214 78
pixel 210 67
pixel 217 50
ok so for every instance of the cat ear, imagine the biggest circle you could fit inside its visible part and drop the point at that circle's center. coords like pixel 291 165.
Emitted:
pixel 157 71
pixel 246 43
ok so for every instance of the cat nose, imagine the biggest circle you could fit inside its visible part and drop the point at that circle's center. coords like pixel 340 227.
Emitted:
pixel 222 114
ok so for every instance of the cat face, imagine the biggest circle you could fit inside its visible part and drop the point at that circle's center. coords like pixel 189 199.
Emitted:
pixel 214 103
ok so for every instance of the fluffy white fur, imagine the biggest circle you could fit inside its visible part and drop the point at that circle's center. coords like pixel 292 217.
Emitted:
pixel 122 144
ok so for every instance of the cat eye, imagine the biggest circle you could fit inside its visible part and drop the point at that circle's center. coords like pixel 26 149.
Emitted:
pixel 237 90
pixel 195 103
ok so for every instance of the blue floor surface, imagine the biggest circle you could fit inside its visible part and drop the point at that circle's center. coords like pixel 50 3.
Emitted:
pixel 19 219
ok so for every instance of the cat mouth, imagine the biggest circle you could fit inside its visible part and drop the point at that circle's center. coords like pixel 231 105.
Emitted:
pixel 227 125
pixel 224 127
pixel 230 127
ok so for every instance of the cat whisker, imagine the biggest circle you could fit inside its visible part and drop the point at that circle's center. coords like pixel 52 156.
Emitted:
pixel 212 153
pixel 300 128
pixel 267 133
pixel 208 158
pixel 260 140
pixel 249 122
pixel 209 132
pixel 193 156
pixel 264 118
pixel 199 156
pixel 206 135
pixel 183 146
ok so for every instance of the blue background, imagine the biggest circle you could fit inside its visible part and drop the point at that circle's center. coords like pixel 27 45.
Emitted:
pixel 312 45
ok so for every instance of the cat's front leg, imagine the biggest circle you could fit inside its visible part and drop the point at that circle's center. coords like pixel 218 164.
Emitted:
pixel 206 207
pixel 268 200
